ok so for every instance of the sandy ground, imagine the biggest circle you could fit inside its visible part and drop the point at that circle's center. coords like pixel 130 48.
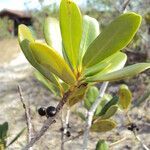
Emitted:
pixel 14 70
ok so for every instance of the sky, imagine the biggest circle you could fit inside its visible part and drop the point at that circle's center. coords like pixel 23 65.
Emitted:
pixel 24 4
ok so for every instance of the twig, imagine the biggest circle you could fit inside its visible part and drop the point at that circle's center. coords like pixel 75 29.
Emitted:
pixel 141 142
pixel 27 115
pixel 74 137
pixel 62 133
pixel 135 134
pixel 117 142
pixel 48 122
pixel 90 115
pixel 125 4
pixel 65 123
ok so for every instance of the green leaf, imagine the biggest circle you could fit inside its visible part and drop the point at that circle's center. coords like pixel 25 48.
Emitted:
pixel 110 64
pixel 49 85
pixel 48 58
pixel 52 34
pixel 77 95
pixel 2 146
pixel 103 125
pixel 113 101
pixel 102 145
pixel 81 115
pixel 71 29
pixel 25 37
pixel 126 72
pixel 125 97
pixel 24 33
pixel 110 112
pixel 113 38
pixel 16 137
pixel 90 32
pixel 91 95
pixel 3 130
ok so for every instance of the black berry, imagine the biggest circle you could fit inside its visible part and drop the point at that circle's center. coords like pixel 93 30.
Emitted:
pixel 133 127
pixel 50 111
pixel 62 129
pixel 42 111
pixel 68 134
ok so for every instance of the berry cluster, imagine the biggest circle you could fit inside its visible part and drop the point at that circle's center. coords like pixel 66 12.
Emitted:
pixel 48 112
pixel 133 127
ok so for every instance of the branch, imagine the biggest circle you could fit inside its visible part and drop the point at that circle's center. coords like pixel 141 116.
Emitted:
pixel 49 121
pixel 141 142
pixel 91 113
pixel 27 115
pixel 125 4
pixel 65 123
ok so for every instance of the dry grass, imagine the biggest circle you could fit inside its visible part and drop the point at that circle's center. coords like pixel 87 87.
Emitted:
pixel 9 48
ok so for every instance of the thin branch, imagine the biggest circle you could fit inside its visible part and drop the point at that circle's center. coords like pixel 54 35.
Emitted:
pixel 48 122
pixel 27 115
pixel 74 137
pixel 135 134
pixel 91 113
pixel 141 142
pixel 125 4
pixel 65 123
pixel 117 142
pixel 62 133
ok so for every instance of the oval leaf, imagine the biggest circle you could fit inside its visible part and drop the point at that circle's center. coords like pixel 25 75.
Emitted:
pixel 3 130
pixel 25 37
pixel 113 101
pixel 52 34
pixel 52 61
pixel 103 125
pixel 110 64
pixel 90 32
pixel 71 29
pixel 49 85
pixel 125 97
pixel 102 145
pixel 113 38
pixel 110 112
pixel 24 33
pixel 121 74
pixel 91 95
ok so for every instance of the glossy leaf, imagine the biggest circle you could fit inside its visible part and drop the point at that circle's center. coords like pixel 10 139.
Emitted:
pixel 103 102
pixel 90 32
pixel 103 125
pixel 126 72
pixel 110 64
pixel 25 37
pixel 102 145
pixel 125 97
pixel 24 33
pixel 110 112
pixel 91 95
pixel 48 58
pixel 71 29
pixel 52 34
pixel 112 102
pixel 49 85
pixel 113 38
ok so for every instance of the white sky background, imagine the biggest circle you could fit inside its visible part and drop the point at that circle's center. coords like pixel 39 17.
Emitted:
pixel 24 4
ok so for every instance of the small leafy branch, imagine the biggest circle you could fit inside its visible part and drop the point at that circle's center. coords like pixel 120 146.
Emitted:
pixel 77 56
pixel 4 135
